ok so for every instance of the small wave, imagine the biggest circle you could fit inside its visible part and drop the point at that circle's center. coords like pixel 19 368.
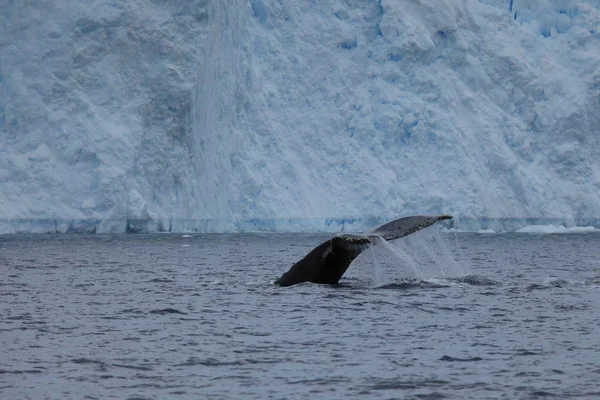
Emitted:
pixel 458 309
pixel 594 282
pixel 258 334
pixel 430 396
pixel 392 384
pixel 213 362
pixel 320 381
pixel 131 311
pixel 87 361
pixel 543 393
pixel 412 284
pixel 537 286
pixel 527 352
pixel 147 386
pixel 549 283
pixel 83 285
pixel 476 280
pixel 165 311
pixel 556 282
pixel 24 317
pixel 135 367
pixel 456 359
pixel 161 280
pixel 101 365
pixel 533 374
pixel 104 365
pixel 255 283
pixel 473 280
pixel 24 371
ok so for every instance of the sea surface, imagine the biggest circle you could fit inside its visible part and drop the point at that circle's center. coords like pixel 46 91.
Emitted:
pixel 169 316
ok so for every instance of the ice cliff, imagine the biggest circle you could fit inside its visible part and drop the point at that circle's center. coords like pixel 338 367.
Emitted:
pixel 233 115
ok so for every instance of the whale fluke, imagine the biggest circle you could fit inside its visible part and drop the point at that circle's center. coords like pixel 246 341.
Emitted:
pixel 327 262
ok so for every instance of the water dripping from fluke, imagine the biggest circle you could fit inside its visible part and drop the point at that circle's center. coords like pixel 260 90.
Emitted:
pixel 423 259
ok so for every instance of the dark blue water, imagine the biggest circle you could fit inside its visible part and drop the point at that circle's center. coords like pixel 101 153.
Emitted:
pixel 508 316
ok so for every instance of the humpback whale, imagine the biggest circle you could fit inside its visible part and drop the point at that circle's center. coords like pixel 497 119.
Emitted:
pixel 327 262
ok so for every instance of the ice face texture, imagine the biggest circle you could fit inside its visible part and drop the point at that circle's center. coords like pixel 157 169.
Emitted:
pixel 236 115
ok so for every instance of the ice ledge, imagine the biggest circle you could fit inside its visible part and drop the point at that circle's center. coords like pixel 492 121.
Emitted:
pixel 467 224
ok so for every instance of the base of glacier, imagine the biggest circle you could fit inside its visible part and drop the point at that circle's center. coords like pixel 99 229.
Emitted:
pixel 287 225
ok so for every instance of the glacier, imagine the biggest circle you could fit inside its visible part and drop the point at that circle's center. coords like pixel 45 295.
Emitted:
pixel 271 115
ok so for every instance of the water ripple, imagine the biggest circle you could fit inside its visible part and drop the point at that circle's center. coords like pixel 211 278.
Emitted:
pixel 166 311
pixel 135 316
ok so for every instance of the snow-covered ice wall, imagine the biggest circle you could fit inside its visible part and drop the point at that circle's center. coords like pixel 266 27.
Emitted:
pixel 95 112
pixel 221 115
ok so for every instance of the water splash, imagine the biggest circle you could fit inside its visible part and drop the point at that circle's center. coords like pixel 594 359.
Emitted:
pixel 423 256
pixel 376 270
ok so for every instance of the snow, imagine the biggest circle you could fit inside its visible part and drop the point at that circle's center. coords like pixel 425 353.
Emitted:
pixel 269 115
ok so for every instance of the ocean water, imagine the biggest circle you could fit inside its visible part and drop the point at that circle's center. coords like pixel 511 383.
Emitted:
pixel 432 316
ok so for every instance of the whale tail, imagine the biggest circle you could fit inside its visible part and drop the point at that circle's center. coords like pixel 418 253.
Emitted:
pixel 407 225
pixel 327 262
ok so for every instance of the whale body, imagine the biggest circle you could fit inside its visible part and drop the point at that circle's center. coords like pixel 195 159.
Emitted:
pixel 327 262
